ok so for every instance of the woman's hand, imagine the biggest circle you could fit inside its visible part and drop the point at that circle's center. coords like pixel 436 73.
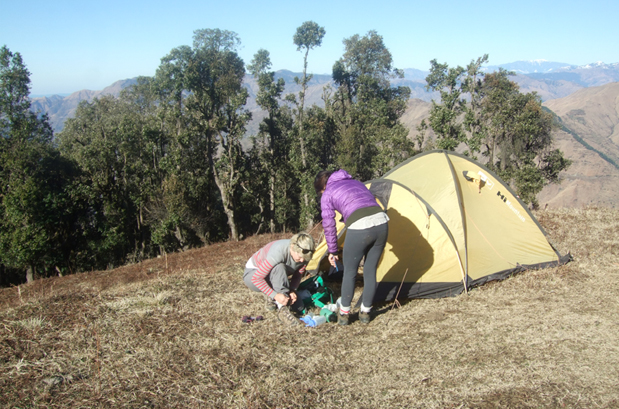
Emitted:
pixel 293 297
pixel 282 298
pixel 333 258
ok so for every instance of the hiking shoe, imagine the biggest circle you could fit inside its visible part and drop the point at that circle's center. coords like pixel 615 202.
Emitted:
pixel 287 317
pixel 364 317
pixel 270 304
pixel 342 319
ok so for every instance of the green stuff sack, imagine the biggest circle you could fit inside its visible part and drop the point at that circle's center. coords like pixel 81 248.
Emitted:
pixel 320 295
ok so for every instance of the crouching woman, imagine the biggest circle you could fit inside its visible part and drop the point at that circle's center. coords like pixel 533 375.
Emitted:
pixel 276 271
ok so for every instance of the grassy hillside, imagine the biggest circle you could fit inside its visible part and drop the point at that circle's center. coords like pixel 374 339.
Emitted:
pixel 168 333
pixel 590 138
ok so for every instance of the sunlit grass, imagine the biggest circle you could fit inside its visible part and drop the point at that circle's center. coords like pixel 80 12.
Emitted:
pixel 31 323
pixel 175 339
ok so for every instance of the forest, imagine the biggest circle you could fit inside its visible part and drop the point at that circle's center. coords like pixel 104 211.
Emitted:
pixel 169 165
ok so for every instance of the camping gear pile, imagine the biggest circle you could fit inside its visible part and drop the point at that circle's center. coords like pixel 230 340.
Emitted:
pixel 315 294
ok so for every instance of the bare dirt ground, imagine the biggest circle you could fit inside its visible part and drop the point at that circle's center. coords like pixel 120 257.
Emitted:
pixel 168 333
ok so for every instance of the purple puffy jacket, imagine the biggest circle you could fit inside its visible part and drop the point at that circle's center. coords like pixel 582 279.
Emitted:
pixel 346 195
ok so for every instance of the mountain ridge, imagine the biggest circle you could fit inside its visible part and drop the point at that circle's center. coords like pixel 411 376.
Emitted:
pixel 589 114
pixel 550 84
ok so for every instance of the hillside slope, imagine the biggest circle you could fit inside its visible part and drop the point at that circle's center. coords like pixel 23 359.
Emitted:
pixel 168 333
pixel 593 114
pixel 590 117
pixel 590 114
pixel 416 111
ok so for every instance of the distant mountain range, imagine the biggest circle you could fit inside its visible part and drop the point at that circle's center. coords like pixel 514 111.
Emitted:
pixel 60 108
pixel 585 98
pixel 550 80
pixel 529 67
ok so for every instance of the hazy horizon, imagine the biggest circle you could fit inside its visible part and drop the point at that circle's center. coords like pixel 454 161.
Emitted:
pixel 71 45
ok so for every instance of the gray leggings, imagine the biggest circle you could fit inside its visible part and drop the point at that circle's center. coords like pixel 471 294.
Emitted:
pixel 358 243
pixel 277 279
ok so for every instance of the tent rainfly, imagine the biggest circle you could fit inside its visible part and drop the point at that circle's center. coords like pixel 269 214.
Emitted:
pixel 453 225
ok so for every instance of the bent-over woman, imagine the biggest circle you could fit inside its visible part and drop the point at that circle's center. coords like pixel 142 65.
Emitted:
pixel 366 235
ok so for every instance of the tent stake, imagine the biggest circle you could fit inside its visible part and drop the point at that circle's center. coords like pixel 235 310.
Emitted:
pixel 397 295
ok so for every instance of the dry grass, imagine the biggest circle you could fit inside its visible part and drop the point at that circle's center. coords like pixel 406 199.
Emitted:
pixel 152 335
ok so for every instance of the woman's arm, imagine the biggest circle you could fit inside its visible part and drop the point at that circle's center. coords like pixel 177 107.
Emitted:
pixel 328 223
pixel 259 278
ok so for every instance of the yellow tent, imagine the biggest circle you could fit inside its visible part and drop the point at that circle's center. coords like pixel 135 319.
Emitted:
pixel 453 225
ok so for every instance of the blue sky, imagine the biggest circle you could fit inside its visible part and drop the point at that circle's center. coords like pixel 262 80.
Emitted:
pixel 73 45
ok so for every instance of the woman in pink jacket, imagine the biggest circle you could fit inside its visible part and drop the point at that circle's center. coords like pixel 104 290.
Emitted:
pixel 366 235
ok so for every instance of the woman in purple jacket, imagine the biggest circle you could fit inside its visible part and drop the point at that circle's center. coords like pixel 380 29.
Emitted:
pixel 366 234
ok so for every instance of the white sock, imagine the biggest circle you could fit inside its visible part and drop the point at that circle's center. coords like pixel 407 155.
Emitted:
pixel 344 310
pixel 365 309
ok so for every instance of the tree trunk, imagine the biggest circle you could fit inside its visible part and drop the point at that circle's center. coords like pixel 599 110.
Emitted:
pixel 309 222
pixel 234 234
pixel 228 210
pixel 30 274
pixel 272 203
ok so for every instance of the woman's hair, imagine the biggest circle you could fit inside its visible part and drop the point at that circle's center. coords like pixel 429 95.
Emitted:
pixel 303 243
pixel 321 180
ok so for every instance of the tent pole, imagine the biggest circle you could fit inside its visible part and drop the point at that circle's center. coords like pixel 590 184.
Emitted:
pixel 466 291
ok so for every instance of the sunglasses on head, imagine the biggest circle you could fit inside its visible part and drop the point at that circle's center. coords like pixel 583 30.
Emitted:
pixel 304 251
